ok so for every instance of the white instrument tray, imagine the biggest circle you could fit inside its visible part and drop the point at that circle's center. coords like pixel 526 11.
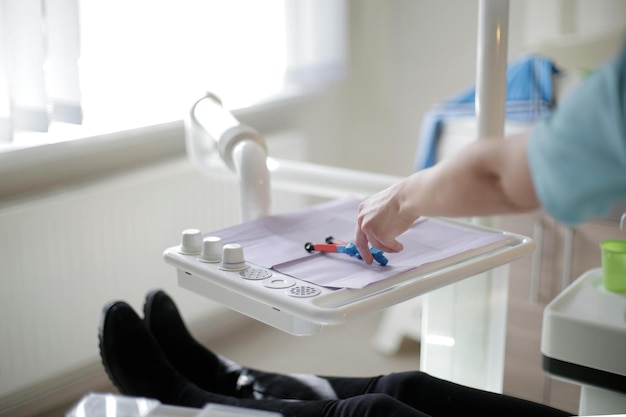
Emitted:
pixel 584 334
pixel 300 307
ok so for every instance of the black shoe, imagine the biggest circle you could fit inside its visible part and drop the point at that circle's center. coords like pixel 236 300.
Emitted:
pixel 216 374
pixel 204 368
pixel 133 359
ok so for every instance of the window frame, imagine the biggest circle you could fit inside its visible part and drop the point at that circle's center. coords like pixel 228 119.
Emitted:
pixel 35 168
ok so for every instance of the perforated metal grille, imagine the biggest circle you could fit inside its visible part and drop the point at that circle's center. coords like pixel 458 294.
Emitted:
pixel 255 274
pixel 303 291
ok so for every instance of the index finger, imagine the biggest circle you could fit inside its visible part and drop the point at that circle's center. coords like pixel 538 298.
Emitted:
pixel 360 240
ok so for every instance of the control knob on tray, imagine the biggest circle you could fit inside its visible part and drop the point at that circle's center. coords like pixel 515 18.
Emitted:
pixel 232 258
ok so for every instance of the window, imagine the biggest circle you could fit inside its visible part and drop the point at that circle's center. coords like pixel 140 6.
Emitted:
pixel 144 62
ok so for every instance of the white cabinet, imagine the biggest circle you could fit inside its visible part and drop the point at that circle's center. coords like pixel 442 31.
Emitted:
pixel 562 255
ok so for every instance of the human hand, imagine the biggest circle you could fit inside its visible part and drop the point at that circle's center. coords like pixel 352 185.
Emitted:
pixel 380 220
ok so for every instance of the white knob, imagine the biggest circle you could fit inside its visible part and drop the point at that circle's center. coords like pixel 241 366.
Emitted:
pixel 211 249
pixel 232 258
pixel 232 253
pixel 192 242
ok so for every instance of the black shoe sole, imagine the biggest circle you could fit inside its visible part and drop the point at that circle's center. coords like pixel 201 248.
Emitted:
pixel 105 363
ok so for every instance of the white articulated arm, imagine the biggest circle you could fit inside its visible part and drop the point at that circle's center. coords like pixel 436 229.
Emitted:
pixel 217 143
pixel 213 133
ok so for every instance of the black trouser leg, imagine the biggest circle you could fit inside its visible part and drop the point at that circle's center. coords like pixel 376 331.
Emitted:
pixel 440 398
pixel 370 405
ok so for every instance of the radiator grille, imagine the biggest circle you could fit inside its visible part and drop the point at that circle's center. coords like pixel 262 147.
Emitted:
pixel 65 254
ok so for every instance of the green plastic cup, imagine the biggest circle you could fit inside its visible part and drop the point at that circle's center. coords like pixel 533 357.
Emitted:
pixel 614 265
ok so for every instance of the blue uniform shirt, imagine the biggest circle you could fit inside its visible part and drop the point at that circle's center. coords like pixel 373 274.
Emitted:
pixel 577 155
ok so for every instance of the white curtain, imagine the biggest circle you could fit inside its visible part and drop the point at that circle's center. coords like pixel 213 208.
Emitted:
pixel 39 49
pixel 144 61
pixel 316 39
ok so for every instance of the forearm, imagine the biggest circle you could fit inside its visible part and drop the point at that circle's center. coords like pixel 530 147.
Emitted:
pixel 488 177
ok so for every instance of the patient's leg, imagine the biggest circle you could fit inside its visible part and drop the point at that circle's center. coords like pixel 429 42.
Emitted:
pixel 137 367
pixel 416 389
pixel 217 374
pixel 201 366
pixel 438 397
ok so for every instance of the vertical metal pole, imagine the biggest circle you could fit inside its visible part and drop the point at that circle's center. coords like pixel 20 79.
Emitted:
pixel 568 254
pixel 492 47
pixel 491 63
pixel 475 357
pixel 535 269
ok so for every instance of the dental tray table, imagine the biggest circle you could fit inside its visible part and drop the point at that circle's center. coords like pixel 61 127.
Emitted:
pixel 261 268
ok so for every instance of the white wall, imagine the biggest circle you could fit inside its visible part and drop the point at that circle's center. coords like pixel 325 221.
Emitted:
pixel 550 19
pixel 406 55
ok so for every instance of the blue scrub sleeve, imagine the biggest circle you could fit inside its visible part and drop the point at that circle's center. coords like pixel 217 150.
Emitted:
pixel 577 156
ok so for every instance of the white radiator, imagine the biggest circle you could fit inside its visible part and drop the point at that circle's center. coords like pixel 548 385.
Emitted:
pixel 64 254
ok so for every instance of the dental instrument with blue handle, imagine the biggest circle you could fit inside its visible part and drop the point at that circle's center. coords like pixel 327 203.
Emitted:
pixel 333 245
